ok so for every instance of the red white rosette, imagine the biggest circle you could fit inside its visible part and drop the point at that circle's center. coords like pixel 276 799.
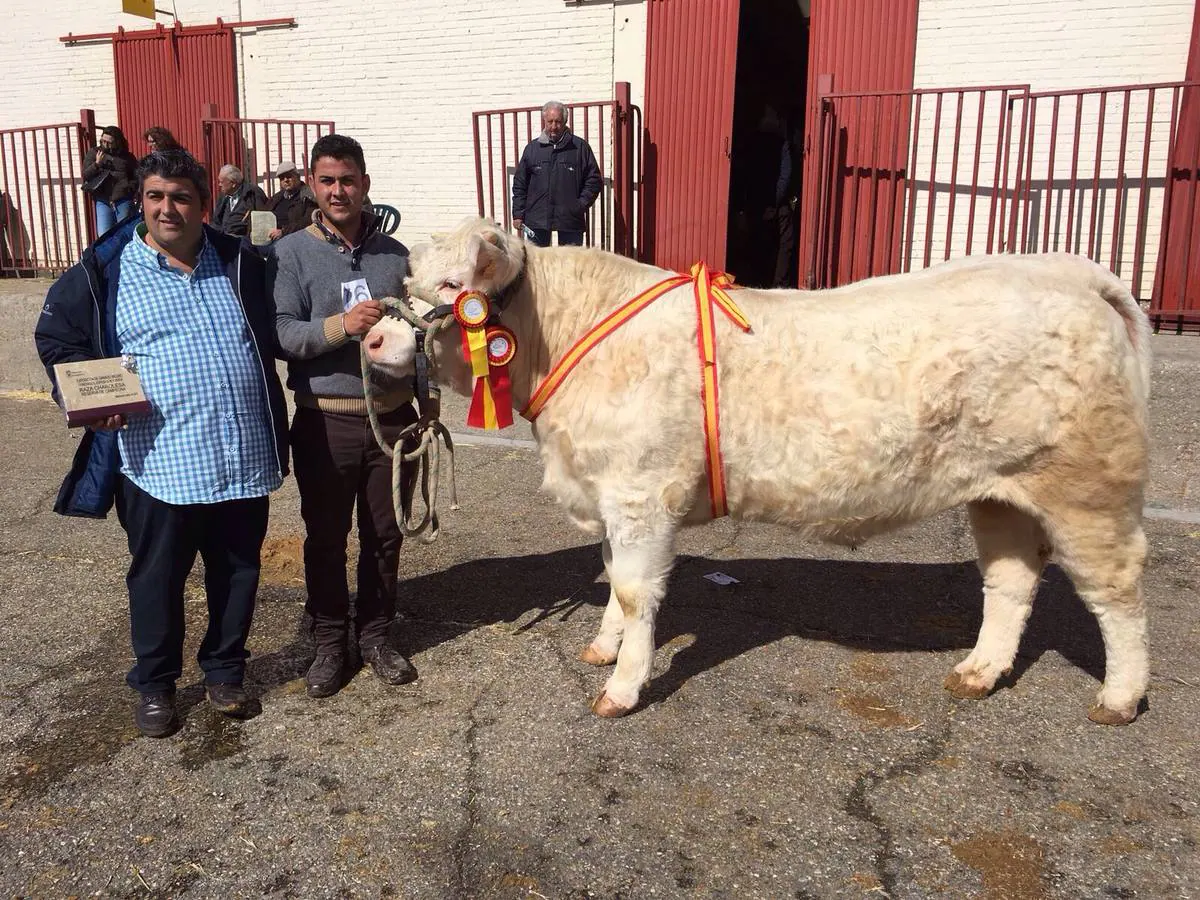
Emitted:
pixel 501 346
pixel 471 309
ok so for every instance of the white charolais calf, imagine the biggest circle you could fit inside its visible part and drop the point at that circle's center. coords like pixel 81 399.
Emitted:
pixel 1016 385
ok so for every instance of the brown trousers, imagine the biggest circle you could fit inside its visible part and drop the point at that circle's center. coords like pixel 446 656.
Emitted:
pixel 339 464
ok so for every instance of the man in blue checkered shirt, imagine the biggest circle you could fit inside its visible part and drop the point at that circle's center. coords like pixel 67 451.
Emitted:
pixel 189 306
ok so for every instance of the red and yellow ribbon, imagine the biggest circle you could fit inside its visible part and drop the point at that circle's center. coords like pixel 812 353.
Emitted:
pixel 491 401
pixel 709 288
pixel 471 311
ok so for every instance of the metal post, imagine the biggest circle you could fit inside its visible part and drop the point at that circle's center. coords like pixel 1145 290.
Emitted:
pixel 87 141
pixel 622 128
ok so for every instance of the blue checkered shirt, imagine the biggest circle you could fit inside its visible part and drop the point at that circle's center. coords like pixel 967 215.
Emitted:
pixel 209 437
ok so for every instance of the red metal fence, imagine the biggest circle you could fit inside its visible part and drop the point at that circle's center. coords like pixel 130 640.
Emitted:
pixel 257 146
pixel 1110 173
pixel 45 219
pixel 612 128
pixel 877 171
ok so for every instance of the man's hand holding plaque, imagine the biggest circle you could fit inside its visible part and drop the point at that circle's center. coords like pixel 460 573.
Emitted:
pixel 100 393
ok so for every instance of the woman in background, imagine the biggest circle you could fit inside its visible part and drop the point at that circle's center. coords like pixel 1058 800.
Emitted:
pixel 108 175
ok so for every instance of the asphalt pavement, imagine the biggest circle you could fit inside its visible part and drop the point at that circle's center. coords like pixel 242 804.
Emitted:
pixel 795 742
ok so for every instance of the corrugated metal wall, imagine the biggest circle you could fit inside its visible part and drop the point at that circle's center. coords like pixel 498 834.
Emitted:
pixel 1177 286
pixel 857 45
pixel 166 76
pixel 691 58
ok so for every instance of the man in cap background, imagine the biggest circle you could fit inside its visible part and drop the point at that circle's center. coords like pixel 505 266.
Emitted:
pixel 293 203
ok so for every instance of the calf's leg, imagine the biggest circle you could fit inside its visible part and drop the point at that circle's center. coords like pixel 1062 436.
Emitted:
pixel 1012 553
pixel 639 560
pixel 603 649
pixel 1104 554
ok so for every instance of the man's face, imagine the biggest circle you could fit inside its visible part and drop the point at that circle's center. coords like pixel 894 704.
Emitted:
pixel 554 122
pixel 107 143
pixel 227 184
pixel 340 187
pixel 289 182
pixel 174 212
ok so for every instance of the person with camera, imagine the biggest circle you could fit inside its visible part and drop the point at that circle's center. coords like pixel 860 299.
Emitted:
pixel 109 177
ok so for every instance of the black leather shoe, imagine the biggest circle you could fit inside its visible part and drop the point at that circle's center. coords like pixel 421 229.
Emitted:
pixel 230 699
pixel 326 675
pixel 155 715
pixel 388 665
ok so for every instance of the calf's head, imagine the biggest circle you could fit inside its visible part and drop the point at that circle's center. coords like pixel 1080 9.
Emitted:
pixel 475 256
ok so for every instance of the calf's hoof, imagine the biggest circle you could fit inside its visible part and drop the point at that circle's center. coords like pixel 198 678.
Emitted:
pixel 1103 715
pixel 594 657
pixel 607 708
pixel 964 688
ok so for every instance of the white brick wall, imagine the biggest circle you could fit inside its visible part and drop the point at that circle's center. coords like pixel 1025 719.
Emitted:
pixel 401 76
pixel 1051 44
pixel 46 81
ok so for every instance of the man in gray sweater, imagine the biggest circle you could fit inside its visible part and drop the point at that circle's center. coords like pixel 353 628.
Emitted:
pixel 327 283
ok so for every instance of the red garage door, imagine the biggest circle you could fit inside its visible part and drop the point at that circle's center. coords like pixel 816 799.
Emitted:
pixel 691 58
pixel 167 76
pixel 1177 286
pixel 857 46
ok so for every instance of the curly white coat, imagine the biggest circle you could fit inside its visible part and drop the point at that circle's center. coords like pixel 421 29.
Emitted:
pixel 1016 385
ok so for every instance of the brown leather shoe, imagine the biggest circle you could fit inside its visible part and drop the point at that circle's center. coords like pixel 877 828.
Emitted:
pixel 389 665
pixel 155 714
pixel 230 699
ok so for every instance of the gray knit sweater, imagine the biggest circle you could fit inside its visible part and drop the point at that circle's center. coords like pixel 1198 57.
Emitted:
pixel 307 273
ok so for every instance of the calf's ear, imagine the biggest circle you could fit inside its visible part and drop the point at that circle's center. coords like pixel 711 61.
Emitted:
pixel 416 254
pixel 484 252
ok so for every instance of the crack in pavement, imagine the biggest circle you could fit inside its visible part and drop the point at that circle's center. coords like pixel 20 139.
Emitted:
pixel 461 848
pixel 858 802
pixel 42 505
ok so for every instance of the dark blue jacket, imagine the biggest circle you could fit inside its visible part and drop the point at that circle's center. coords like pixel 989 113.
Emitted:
pixel 79 322
pixel 555 184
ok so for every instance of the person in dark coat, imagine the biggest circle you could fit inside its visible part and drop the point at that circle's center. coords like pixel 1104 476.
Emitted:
pixel 293 204
pixel 556 182
pixel 192 475
pixel 238 200
pixel 108 176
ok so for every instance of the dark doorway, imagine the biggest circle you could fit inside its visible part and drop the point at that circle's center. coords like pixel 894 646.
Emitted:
pixel 770 90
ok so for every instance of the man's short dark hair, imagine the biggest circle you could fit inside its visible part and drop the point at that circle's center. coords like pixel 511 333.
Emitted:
pixel 173 164
pixel 339 147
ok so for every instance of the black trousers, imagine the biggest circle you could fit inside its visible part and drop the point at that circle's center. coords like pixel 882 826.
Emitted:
pixel 541 237
pixel 163 542
pixel 339 465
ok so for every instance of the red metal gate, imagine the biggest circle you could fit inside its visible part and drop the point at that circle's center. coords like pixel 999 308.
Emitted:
pixel 994 169
pixel 1177 284
pixel 166 76
pixel 257 146
pixel 691 58
pixel 45 218
pixel 898 214
pixel 613 129
pixel 863 45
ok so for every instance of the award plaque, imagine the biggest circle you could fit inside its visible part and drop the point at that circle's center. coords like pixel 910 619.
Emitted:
pixel 261 226
pixel 96 388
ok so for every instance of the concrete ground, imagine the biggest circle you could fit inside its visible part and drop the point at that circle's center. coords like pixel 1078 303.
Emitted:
pixel 795 742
